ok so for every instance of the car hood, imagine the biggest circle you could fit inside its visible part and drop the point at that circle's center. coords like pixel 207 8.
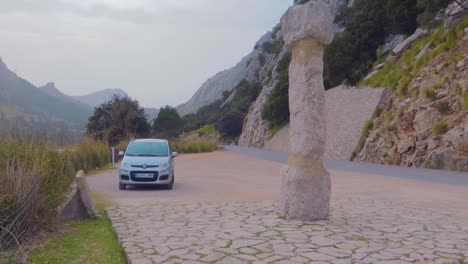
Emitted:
pixel 145 160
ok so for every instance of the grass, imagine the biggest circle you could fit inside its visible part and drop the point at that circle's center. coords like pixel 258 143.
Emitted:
pixel 273 130
pixel 26 161
pixel 23 157
pixel 207 130
pixel 439 128
pixel 193 147
pixel 377 112
pixel 358 238
pixel 90 241
pixel 465 101
pixel 429 93
pixel 368 126
pixel 398 75
pixel 443 108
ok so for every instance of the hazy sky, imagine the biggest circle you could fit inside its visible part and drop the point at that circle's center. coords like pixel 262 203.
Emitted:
pixel 159 51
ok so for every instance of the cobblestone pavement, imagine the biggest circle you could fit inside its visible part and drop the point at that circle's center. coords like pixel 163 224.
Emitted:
pixel 360 230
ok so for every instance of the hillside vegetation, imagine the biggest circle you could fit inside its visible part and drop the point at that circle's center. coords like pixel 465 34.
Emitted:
pixel 423 123
pixel 226 115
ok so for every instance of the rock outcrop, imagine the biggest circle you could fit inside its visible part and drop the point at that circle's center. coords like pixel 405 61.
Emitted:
pixel 214 87
pixel 258 66
pixel 255 129
pixel 427 127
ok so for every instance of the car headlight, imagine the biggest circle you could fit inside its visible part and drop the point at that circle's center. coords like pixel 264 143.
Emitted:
pixel 164 165
pixel 126 165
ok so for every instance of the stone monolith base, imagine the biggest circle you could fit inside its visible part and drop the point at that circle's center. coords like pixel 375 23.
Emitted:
pixel 305 193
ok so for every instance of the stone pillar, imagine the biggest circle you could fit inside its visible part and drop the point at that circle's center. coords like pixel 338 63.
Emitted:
pixel 305 190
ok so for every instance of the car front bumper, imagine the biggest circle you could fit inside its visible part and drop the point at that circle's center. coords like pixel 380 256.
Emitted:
pixel 160 178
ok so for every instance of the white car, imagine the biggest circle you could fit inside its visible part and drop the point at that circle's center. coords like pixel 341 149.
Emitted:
pixel 147 162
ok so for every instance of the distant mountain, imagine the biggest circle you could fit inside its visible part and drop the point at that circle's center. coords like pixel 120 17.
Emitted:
pixel 43 104
pixel 100 97
pixel 51 90
pixel 151 114
pixel 214 87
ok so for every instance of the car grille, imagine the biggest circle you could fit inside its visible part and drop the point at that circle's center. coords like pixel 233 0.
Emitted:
pixel 147 166
pixel 135 179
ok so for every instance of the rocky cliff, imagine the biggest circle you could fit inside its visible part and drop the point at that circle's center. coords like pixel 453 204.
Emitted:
pixel 257 66
pixel 425 124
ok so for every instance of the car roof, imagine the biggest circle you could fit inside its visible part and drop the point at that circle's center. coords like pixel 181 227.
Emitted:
pixel 150 140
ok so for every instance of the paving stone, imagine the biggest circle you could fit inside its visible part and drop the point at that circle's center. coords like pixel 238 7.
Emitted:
pixel 358 231
pixel 314 256
pixel 212 257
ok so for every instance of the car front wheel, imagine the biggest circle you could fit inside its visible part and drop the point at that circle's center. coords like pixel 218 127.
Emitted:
pixel 171 185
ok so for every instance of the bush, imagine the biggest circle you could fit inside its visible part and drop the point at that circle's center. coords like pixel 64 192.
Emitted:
pixel 429 93
pixel 439 128
pixel 28 164
pixel 368 126
pixel 227 117
pixel 443 108
pixel 465 101
pixel 193 147
pixel 276 108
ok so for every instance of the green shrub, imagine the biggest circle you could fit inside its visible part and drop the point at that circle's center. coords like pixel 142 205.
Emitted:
pixel 465 101
pixel 368 126
pixel 439 128
pixel 377 111
pixel 193 147
pixel 443 108
pixel 207 130
pixel 415 95
pixel 429 93
pixel 276 108
pixel 26 162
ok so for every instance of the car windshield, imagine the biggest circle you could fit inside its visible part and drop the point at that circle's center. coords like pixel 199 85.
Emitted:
pixel 147 149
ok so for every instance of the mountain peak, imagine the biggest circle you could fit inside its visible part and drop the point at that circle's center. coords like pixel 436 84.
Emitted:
pixel 50 85
pixel 2 64
pixel 100 97
pixel 50 89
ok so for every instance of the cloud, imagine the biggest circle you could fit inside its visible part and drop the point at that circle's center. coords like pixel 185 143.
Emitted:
pixel 159 51
pixel 144 5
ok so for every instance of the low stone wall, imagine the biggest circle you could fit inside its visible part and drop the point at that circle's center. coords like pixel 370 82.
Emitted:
pixel 347 110
pixel 78 205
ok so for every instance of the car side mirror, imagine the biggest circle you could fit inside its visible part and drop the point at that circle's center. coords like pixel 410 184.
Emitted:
pixel 174 154
pixel 121 153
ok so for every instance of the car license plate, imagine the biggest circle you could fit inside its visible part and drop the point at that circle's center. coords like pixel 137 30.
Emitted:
pixel 144 175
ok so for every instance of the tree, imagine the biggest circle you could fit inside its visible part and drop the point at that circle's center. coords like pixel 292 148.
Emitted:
pixel 428 9
pixel 276 108
pixel 227 116
pixel 168 124
pixel 118 119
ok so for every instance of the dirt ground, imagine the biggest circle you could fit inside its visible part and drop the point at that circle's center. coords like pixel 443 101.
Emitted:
pixel 227 176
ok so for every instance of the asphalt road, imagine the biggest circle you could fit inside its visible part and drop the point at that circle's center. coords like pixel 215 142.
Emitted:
pixel 226 176
pixel 428 175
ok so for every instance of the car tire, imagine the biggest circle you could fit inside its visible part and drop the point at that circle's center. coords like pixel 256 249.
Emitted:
pixel 122 186
pixel 171 185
